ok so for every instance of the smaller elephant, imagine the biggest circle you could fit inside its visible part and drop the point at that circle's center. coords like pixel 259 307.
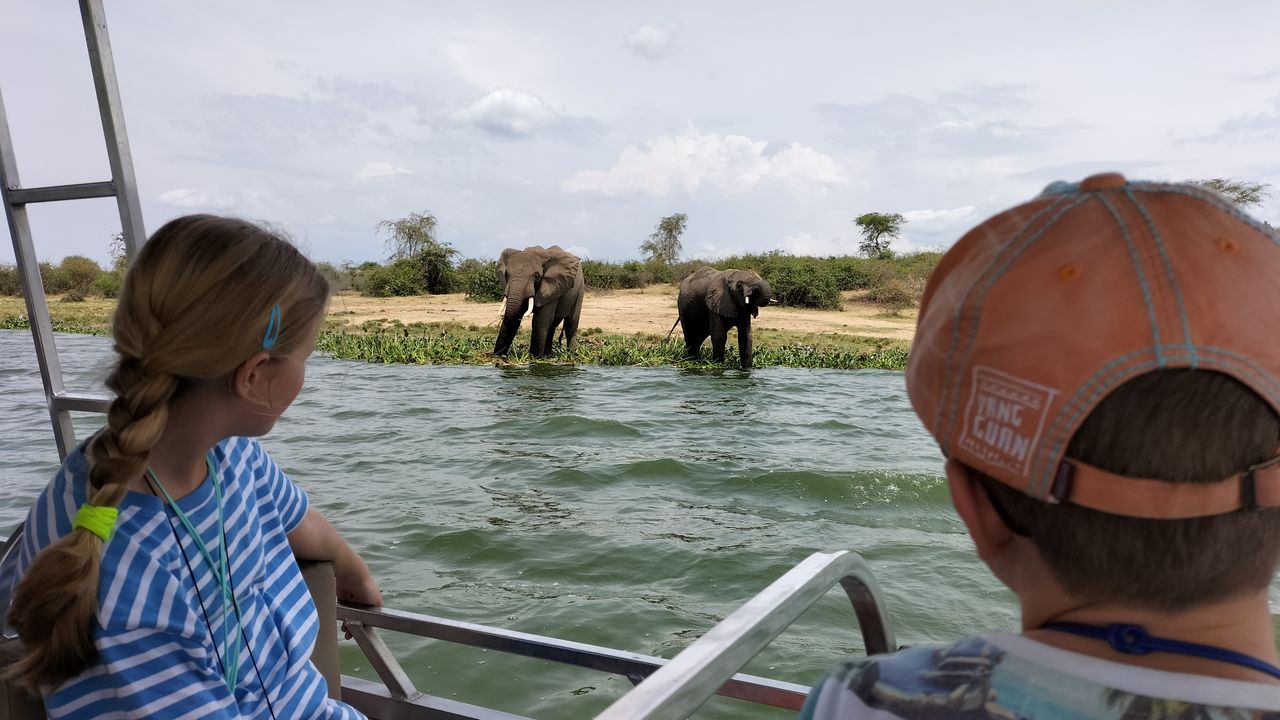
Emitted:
pixel 712 301
pixel 552 279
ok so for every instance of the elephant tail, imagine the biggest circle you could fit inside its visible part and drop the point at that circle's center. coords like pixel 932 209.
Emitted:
pixel 673 328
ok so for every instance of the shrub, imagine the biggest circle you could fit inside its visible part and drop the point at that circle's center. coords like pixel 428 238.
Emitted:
pixel 803 282
pixel 54 280
pixel 340 279
pixel 400 278
pixel 478 278
pixel 10 281
pixel 79 273
pixel 896 294
pixel 435 265
pixel 108 285
pixel 360 275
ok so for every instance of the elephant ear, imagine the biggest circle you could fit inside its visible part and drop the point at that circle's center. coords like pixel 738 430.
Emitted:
pixel 502 264
pixel 721 297
pixel 559 271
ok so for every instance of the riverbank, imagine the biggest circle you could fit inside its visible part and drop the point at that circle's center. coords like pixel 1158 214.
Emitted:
pixel 623 327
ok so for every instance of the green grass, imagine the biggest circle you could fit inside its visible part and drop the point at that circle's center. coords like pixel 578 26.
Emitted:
pixel 383 341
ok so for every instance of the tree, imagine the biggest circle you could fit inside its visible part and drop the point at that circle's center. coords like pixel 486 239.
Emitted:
pixel 1240 192
pixel 663 244
pixel 413 242
pixel 878 229
pixel 410 235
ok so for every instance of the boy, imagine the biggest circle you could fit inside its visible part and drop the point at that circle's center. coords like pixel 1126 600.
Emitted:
pixel 1101 368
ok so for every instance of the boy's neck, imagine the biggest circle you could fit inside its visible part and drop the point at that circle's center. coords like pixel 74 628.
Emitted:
pixel 1242 624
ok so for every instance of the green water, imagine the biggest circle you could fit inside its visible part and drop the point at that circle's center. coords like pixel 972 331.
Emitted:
pixel 632 508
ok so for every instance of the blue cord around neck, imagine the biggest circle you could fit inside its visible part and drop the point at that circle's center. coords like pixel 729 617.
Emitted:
pixel 1134 640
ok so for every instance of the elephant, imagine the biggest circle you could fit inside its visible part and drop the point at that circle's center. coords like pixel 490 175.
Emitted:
pixel 552 278
pixel 711 301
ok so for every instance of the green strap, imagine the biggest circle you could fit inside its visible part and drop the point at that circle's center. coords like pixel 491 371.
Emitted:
pixel 97 519
pixel 221 569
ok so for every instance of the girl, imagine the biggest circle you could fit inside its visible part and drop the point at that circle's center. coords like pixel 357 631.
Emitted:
pixel 157 572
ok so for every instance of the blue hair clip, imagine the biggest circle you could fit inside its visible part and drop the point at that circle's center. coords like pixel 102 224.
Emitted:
pixel 273 328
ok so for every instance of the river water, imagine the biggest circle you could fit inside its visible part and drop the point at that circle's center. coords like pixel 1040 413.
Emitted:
pixel 625 507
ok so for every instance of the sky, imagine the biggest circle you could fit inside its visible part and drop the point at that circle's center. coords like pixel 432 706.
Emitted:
pixel 771 125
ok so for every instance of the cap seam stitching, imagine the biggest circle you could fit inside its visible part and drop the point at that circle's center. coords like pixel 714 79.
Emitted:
pixel 1169 274
pixel 1067 204
pixel 1142 276
pixel 1105 384
pixel 1213 200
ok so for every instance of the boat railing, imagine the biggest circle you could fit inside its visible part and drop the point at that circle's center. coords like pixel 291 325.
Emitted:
pixel 672 688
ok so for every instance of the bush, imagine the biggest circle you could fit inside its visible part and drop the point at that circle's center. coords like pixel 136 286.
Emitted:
pixel 108 285
pixel 79 273
pixel 10 281
pixel 400 278
pixel 54 280
pixel 896 294
pixel 340 279
pixel 360 275
pixel 435 265
pixel 803 282
pixel 478 278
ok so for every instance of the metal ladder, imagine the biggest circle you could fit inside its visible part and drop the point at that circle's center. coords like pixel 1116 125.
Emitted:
pixel 122 186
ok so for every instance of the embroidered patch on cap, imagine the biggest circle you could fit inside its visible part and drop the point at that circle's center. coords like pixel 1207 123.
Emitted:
pixel 1005 416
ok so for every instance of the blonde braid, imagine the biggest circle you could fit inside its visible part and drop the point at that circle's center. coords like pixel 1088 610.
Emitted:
pixel 57 600
pixel 193 307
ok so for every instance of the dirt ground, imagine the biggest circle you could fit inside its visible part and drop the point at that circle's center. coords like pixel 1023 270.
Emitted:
pixel 651 310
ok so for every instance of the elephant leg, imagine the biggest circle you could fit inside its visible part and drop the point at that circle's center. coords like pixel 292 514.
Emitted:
pixel 695 333
pixel 551 336
pixel 571 326
pixel 719 334
pixel 744 341
pixel 542 326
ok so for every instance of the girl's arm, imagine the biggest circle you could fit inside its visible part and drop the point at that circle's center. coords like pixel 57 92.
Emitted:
pixel 315 538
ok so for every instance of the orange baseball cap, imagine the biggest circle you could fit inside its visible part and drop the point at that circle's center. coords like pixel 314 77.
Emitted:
pixel 1036 314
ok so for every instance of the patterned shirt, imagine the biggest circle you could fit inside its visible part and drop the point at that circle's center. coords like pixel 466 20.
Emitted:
pixel 1009 677
pixel 159 628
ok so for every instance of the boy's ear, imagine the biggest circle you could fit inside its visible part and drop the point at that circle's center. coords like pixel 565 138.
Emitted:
pixel 249 376
pixel 990 534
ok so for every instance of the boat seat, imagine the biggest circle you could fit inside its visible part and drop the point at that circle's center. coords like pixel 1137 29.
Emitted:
pixel 18 704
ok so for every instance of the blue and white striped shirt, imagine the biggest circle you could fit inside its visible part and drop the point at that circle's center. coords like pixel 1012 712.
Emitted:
pixel 159 630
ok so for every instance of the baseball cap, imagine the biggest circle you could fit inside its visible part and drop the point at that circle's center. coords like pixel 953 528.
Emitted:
pixel 1035 315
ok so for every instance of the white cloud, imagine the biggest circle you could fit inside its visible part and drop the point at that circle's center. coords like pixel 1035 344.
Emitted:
pixel 191 200
pixel 649 41
pixel 580 251
pixel 931 216
pixel 712 252
pixel 378 169
pixel 695 159
pixel 508 113
pixel 805 244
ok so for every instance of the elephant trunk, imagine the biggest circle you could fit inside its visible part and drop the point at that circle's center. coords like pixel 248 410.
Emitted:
pixel 515 308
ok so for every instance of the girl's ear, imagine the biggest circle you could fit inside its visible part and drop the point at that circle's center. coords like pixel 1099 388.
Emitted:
pixel 249 380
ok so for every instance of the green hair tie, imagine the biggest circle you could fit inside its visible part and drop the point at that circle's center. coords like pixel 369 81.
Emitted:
pixel 96 519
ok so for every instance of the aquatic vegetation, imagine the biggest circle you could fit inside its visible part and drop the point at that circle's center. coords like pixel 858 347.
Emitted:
pixel 436 345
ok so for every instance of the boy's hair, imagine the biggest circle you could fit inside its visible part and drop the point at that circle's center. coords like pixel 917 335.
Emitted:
pixel 1184 426
pixel 198 300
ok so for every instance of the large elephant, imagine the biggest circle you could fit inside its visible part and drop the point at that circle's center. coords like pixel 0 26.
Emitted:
pixel 712 301
pixel 552 278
